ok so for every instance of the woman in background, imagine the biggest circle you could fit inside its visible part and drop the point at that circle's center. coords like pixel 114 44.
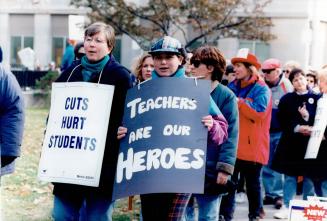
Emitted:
pixel 143 67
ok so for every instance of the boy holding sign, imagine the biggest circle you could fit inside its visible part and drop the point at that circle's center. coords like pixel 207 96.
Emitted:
pixel 98 65
pixel 169 58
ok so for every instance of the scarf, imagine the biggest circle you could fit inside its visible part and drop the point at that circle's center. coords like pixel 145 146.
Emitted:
pixel 90 69
pixel 180 73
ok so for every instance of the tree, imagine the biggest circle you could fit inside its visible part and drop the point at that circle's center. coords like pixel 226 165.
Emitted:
pixel 203 21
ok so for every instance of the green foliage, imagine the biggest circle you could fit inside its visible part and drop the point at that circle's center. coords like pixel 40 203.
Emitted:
pixel 201 21
pixel 45 82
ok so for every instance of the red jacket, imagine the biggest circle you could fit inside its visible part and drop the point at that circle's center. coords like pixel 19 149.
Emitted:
pixel 255 106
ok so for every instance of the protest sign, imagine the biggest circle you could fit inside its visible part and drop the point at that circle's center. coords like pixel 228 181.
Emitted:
pixel 318 129
pixel 165 147
pixel 313 209
pixel 76 132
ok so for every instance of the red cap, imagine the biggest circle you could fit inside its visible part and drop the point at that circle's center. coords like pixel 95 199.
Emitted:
pixel 271 63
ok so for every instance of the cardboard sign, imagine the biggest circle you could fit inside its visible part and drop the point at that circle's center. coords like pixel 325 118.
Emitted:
pixel 318 129
pixel 308 210
pixel 165 147
pixel 76 132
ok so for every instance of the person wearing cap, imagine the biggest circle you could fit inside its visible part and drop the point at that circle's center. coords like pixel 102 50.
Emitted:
pixel 254 104
pixel 279 86
pixel 296 113
pixel 78 202
pixel 169 58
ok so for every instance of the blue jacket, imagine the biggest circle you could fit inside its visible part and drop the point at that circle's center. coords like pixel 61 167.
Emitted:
pixel 11 116
pixel 67 58
pixel 226 152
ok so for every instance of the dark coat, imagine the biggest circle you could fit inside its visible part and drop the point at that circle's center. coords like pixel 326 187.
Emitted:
pixel 11 119
pixel 289 155
pixel 113 74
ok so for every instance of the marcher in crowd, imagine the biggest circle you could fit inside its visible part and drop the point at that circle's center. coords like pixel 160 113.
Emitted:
pixel 79 50
pixel 289 66
pixel 209 63
pixel 315 168
pixel 312 79
pixel 188 64
pixel 169 58
pixel 279 86
pixel 11 121
pixel 254 104
pixel 229 75
pixel 296 113
pixel 143 67
pixel 68 56
pixel 99 41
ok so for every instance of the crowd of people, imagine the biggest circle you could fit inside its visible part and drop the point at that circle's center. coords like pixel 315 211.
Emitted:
pixel 259 123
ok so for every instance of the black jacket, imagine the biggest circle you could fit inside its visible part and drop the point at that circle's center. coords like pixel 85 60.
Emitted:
pixel 289 155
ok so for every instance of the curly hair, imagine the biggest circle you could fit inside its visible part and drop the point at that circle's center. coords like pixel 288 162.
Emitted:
pixel 210 55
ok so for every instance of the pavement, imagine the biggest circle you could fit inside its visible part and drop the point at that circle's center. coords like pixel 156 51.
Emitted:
pixel 241 212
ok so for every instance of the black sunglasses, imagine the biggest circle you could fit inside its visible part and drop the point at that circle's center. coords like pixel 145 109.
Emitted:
pixel 286 71
pixel 195 63
pixel 267 71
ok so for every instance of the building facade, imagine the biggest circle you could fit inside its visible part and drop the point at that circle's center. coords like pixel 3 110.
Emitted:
pixel 300 27
pixel 42 25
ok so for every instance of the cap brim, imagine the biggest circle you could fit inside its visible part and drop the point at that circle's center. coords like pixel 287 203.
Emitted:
pixel 165 50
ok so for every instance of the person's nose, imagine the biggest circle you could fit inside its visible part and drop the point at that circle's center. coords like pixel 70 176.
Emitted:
pixel 163 61
pixel 92 43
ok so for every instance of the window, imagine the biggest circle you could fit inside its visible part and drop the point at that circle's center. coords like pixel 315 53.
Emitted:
pixel 58 47
pixel 18 43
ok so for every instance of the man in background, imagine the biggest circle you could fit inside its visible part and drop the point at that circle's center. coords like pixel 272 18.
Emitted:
pixel 279 86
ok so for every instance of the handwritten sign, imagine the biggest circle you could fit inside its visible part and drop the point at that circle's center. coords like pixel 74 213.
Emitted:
pixel 318 129
pixel 165 147
pixel 76 132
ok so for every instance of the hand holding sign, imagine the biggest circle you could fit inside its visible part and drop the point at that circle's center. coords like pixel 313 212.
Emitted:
pixel 164 148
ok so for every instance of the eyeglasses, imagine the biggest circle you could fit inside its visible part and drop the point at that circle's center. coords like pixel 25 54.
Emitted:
pixel 267 71
pixel 286 71
pixel 96 40
pixel 196 63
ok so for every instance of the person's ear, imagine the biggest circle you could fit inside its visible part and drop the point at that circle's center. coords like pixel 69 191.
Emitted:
pixel 180 58
pixel 210 68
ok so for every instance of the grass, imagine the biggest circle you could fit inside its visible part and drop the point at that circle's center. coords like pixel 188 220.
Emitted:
pixel 23 196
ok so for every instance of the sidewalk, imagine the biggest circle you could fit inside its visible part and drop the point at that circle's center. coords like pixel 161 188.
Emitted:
pixel 241 212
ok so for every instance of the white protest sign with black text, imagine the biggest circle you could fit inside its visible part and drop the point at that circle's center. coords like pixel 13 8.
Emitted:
pixel 165 147
pixel 318 129
pixel 75 138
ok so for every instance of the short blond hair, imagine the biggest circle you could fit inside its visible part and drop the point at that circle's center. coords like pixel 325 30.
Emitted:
pixel 292 64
